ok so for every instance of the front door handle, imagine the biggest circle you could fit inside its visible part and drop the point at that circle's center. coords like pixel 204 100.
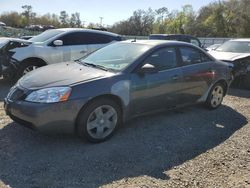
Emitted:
pixel 175 77
pixel 83 52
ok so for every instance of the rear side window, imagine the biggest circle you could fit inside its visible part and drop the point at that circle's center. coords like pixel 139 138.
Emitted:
pixel 193 56
pixel 163 59
pixel 205 58
pixel 83 38
pixel 195 42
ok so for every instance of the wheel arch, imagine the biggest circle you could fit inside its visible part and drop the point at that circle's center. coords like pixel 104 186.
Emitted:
pixel 34 59
pixel 224 83
pixel 221 81
pixel 113 97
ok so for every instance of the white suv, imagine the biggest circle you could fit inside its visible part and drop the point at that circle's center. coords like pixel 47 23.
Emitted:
pixel 52 46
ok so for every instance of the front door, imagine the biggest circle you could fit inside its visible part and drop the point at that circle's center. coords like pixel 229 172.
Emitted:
pixel 153 91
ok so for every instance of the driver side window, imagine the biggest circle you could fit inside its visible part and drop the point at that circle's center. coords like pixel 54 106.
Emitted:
pixel 163 59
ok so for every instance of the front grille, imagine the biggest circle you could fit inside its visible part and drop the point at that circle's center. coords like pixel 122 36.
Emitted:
pixel 16 94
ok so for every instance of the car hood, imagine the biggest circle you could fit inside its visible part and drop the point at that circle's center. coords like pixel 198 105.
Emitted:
pixel 228 56
pixel 5 40
pixel 61 74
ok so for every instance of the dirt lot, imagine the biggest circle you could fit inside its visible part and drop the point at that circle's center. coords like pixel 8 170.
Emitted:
pixel 190 147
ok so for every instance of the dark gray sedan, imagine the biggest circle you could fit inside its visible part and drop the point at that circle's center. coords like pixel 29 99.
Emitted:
pixel 94 95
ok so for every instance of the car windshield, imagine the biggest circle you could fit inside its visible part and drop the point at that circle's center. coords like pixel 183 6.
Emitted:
pixel 45 35
pixel 115 57
pixel 235 47
pixel 3 41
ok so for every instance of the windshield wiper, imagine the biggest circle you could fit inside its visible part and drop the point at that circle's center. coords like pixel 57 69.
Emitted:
pixel 95 66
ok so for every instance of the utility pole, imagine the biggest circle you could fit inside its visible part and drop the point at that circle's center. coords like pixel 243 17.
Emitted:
pixel 101 18
pixel 83 24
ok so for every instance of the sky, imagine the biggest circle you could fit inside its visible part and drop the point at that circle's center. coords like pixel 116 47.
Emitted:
pixel 91 10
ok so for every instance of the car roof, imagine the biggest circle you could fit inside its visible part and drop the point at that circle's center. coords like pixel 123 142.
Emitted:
pixel 242 40
pixel 173 35
pixel 158 42
pixel 87 30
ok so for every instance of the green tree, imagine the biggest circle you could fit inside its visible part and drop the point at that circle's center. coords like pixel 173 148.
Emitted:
pixel 64 18
pixel 140 23
pixel 27 13
pixel 75 20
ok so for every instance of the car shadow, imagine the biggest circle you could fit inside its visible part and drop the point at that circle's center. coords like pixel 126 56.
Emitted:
pixel 149 145
pixel 239 93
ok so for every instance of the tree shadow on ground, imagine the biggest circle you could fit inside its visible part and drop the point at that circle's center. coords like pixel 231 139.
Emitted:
pixel 148 145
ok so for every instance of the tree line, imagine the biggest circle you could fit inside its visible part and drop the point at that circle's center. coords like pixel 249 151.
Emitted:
pixel 28 17
pixel 229 18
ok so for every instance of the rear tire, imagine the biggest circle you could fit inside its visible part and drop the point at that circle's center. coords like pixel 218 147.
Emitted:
pixel 215 96
pixel 99 120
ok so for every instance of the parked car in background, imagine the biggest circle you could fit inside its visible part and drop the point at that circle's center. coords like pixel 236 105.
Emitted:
pixel 2 24
pixel 19 57
pixel 26 37
pixel 212 47
pixel 34 27
pixel 236 51
pixel 95 94
pixel 39 27
pixel 184 38
pixel 46 27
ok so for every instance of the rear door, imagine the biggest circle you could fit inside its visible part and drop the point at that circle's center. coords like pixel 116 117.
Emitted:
pixel 158 90
pixel 198 73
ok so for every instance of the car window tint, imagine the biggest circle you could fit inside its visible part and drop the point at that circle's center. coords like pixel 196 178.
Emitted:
pixel 71 39
pixel 190 56
pixel 97 38
pixel 195 42
pixel 205 58
pixel 83 38
pixel 163 59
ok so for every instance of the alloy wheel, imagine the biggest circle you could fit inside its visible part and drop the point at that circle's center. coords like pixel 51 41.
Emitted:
pixel 29 69
pixel 217 96
pixel 102 121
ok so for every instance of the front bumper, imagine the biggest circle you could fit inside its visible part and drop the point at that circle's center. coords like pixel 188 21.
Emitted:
pixel 47 118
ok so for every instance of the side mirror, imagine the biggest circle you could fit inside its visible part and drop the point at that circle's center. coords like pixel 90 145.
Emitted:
pixel 148 69
pixel 58 43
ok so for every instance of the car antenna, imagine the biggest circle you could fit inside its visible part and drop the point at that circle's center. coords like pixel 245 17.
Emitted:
pixel 134 40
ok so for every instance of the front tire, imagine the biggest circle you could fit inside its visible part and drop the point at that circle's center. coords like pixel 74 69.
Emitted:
pixel 27 67
pixel 99 120
pixel 215 96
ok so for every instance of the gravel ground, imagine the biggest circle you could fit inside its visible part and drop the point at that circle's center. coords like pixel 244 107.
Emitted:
pixel 190 147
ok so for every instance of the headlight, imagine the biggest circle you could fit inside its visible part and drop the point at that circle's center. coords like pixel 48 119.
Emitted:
pixel 49 95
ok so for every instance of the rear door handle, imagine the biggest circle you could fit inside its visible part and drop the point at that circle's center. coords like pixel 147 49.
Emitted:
pixel 175 77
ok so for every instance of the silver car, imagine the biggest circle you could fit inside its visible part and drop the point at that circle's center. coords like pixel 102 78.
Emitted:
pixel 18 57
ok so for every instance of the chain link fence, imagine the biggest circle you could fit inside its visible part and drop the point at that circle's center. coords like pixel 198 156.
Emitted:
pixel 204 40
pixel 15 32
pixel 210 41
